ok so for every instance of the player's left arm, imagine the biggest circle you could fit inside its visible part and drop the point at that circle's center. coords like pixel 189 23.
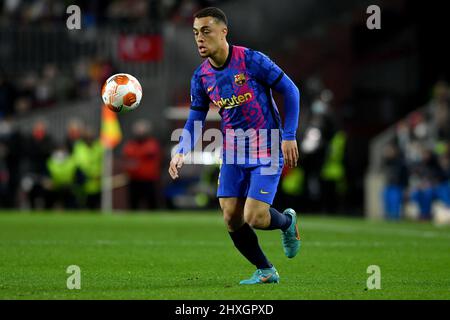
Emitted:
pixel 291 95
pixel 270 74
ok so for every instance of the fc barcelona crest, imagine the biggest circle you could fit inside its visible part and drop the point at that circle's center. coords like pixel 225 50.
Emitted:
pixel 239 79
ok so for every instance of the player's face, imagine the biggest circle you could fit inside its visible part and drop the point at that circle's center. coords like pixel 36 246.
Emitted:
pixel 209 35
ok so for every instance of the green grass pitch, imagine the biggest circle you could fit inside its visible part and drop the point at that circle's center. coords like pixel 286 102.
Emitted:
pixel 186 255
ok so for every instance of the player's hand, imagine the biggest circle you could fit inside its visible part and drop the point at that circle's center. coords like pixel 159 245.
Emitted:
pixel 175 164
pixel 290 152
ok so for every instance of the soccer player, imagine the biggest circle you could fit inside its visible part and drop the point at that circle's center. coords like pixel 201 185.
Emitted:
pixel 238 81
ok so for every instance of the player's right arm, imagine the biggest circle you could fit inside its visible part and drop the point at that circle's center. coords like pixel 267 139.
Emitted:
pixel 199 110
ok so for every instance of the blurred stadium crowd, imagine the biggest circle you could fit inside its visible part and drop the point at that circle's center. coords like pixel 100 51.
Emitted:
pixel 417 161
pixel 97 13
pixel 51 86
pixel 37 172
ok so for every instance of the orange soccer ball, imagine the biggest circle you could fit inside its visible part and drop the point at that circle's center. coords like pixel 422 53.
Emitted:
pixel 122 93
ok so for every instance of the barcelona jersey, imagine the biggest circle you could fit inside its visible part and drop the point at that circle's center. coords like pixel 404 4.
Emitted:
pixel 241 91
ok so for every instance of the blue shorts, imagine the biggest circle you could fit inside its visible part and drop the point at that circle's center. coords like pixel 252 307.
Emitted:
pixel 255 181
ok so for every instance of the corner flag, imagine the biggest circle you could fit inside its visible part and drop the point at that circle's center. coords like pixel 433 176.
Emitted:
pixel 111 135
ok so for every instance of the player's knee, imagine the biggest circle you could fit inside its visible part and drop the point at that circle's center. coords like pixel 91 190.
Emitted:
pixel 253 218
pixel 232 220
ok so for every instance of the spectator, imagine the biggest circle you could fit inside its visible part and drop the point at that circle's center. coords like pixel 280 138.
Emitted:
pixel 11 145
pixel 425 180
pixel 6 96
pixel 439 111
pixel 291 190
pixel 99 70
pixel 27 87
pixel 420 129
pixel 74 133
pixel 36 180
pixel 396 181
pixel 46 86
pixel 62 171
pixel 88 155
pixel 319 131
pixel 333 175
pixel 142 156
pixel 402 135
pixel 443 188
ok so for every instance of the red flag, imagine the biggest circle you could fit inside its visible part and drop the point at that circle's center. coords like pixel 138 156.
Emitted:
pixel 140 48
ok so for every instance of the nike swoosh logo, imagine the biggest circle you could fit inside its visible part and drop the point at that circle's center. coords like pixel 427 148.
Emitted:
pixel 264 279
pixel 263 192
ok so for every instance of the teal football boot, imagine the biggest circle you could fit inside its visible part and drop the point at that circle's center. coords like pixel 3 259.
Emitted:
pixel 291 237
pixel 262 276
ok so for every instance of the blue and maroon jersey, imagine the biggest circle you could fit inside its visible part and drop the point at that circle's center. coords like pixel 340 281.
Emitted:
pixel 241 90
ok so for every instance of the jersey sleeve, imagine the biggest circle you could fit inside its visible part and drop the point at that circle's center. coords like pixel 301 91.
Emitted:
pixel 291 95
pixel 263 68
pixel 199 99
